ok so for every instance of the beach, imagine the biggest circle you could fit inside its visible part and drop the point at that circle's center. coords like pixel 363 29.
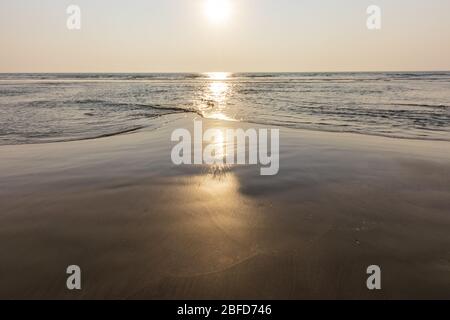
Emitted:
pixel 140 227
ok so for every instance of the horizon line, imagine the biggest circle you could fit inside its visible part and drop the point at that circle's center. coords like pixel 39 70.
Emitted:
pixel 205 72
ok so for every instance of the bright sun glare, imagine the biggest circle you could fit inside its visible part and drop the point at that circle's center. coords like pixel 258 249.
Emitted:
pixel 218 11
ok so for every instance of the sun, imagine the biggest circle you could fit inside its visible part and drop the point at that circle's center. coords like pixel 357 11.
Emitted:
pixel 218 11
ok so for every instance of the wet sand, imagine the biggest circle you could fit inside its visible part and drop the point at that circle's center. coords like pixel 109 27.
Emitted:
pixel 141 228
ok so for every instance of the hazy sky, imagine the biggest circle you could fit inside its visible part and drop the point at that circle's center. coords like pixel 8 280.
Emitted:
pixel 260 35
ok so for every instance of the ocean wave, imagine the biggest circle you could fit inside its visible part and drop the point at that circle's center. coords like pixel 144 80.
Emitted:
pixel 423 105
pixel 43 138
pixel 344 128
pixel 105 103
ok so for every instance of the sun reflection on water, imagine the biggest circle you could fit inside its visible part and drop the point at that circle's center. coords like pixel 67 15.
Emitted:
pixel 218 75
pixel 220 182
pixel 218 91
pixel 216 95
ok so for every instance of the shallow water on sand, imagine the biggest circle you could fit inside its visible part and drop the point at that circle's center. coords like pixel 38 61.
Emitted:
pixel 38 108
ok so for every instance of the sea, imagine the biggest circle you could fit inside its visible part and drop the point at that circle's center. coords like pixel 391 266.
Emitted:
pixel 45 108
